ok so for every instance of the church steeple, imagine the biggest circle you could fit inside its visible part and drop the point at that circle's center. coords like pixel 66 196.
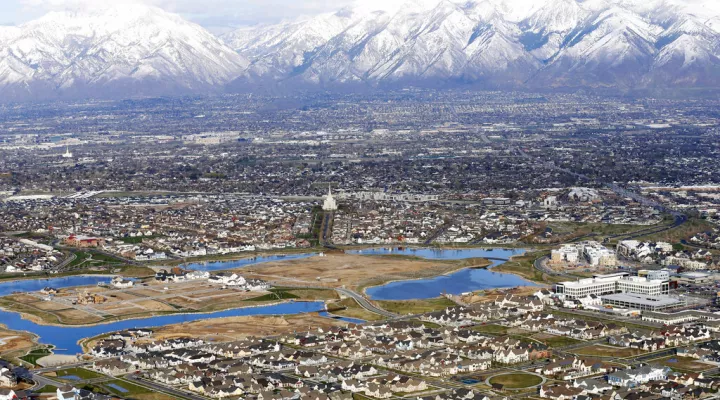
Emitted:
pixel 330 204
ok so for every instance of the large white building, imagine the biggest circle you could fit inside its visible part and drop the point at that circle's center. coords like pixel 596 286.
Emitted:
pixel 330 204
pixel 612 283
pixel 590 252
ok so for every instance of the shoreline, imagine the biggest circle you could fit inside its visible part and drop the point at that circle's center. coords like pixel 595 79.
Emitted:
pixel 446 273
pixel 24 315
pixel 487 264
pixel 47 278
pixel 490 266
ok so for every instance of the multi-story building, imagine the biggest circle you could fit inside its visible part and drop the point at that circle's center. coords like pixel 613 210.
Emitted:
pixel 590 252
pixel 612 283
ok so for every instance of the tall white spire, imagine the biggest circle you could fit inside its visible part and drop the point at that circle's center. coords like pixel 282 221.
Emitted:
pixel 330 204
pixel 67 154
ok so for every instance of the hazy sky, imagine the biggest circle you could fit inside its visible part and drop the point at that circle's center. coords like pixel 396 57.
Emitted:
pixel 221 15
pixel 212 14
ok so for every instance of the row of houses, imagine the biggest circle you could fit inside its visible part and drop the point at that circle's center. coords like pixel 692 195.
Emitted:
pixel 570 327
pixel 672 336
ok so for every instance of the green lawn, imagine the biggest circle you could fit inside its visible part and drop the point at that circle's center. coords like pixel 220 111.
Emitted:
pixel 516 381
pixel 82 373
pixel 412 307
pixel 524 266
pixel 559 341
pixel 47 389
pixel 35 355
pixel 132 389
pixel 353 310
pixel 275 294
pixel 492 329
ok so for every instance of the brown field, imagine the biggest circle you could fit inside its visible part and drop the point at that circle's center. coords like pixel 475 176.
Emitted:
pixel 48 305
pixel 182 302
pixel 234 328
pixel 24 298
pixel 607 351
pixel 14 341
pixel 356 271
pixel 684 364
pixel 153 305
pixel 492 294
pixel 239 327
pixel 76 317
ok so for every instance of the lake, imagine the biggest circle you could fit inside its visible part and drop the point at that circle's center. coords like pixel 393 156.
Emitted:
pixel 35 285
pixel 466 280
pixel 65 338
pixel 441 254
pixel 232 264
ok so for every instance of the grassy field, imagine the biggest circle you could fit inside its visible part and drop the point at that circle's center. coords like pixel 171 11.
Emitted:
pixel 599 231
pixel 412 307
pixel 275 294
pixel 684 231
pixel 607 351
pixel 683 364
pixel 516 381
pixel 353 310
pixel 35 355
pixel 523 266
pixel 315 294
pixel 47 389
pixel 82 373
pixel 559 341
pixel 133 391
pixel 491 329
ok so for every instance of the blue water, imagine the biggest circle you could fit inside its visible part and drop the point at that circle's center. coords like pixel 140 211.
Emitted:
pixel 70 377
pixel 339 318
pixel 442 254
pixel 466 280
pixel 223 265
pixel 34 285
pixel 65 338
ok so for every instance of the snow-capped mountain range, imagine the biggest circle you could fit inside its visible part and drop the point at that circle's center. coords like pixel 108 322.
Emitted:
pixel 122 50
pixel 130 50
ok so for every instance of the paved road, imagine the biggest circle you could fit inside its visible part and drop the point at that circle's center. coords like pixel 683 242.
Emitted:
pixel 364 303
pixel 162 388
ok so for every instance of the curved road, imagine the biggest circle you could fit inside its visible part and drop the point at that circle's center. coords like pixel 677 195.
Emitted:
pixel 364 303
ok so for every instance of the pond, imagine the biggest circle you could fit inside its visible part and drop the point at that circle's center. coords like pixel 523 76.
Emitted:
pixel 232 264
pixel 65 338
pixel 35 285
pixel 441 254
pixel 345 319
pixel 466 280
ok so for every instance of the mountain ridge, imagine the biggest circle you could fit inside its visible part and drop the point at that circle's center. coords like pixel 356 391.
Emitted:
pixel 486 44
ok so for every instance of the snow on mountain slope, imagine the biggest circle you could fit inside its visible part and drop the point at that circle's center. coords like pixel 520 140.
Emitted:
pixel 612 47
pixel 131 46
pixel 492 43
pixel 499 42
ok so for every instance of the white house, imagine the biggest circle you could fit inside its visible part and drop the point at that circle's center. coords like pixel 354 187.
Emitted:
pixel 637 376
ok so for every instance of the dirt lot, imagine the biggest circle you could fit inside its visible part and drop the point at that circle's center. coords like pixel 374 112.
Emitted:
pixel 233 328
pixel 353 271
pixel 13 341
pixel 607 351
pixel 76 317
pixel 491 295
